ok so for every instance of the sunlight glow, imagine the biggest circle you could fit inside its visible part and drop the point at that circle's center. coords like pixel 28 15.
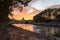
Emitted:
pixel 25 27
pixel 27 13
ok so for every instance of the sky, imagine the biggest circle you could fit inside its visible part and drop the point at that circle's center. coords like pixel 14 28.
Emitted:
pixel 27 13
pixel 32 9
pixel 43 4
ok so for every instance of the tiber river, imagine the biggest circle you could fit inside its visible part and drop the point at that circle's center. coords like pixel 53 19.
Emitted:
pixel 39 29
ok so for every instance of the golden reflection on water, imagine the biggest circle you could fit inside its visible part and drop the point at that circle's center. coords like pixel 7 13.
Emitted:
pixel 25 26
pixel 38 29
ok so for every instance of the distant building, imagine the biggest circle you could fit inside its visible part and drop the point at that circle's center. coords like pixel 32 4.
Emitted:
pixel 22 20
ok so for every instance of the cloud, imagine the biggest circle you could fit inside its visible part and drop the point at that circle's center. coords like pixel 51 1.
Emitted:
pixel 43 4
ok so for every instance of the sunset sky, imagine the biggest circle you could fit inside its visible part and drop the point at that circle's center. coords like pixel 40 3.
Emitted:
pixel 34 7
pixel 27 13
pixel 42 4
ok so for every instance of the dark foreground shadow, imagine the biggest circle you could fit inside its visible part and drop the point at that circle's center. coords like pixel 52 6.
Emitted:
pixel 14 33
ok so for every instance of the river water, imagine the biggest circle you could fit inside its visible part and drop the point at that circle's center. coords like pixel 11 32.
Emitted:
pixel 50 30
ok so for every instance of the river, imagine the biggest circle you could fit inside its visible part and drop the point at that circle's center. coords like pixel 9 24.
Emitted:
pixel 39 29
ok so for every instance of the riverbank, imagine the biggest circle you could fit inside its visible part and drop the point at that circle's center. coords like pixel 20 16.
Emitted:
pixel 15 33
pixel 55 24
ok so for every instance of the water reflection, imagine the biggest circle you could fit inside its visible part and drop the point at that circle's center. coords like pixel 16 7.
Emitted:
pixel 49 30
pixel 39 29
pixel 25 26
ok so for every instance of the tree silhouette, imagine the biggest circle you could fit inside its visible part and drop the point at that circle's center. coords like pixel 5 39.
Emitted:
pixel 58 17
pixel 47 14
pixel 4 8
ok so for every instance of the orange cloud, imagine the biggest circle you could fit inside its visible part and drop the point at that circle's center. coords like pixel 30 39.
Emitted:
pixel 27 14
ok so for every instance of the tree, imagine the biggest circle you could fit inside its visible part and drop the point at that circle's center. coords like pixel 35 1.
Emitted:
pixel 40 17
pixel 45 15
pixel 4 8
pixel 58 17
